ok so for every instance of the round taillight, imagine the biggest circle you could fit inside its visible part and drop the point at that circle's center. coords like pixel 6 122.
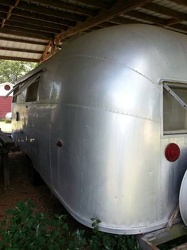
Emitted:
pixel 172 152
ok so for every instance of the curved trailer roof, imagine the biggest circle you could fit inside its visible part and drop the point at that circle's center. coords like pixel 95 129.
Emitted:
pixel 32 30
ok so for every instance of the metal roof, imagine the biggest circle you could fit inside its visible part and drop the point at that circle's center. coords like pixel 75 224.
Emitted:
pixel 32 30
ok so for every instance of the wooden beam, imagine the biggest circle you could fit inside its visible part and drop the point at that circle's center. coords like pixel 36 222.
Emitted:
pixel 165 11
pixel 18 40
pixel 49 54
pixel 21 50
pixel 8 2
pixel 176 29
pixel 64 6
pixel 45 18
pixel 9 12
pixel 96 3
pixel 180 27
pixel 173 21
pixel 120 7
pixel 4 9
pixel 24 32
pixel 45 52
pixel 18 33
pixel 180 2
pixel 123 20
pixel 146 17
pixel 174 16
pixel 105 25
pixel 30 26
pixel 49 11
pixel 120 20
pixel 43 24
pixel 24 59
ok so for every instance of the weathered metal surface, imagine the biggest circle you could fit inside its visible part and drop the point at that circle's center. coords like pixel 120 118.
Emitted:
pixel 152 241
pixel 183 199
pixel 181 247
pixel 102 98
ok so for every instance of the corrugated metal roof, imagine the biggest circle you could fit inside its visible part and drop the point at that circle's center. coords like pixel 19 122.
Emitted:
pixel 32 30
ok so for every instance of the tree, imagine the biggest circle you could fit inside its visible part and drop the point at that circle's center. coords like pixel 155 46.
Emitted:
pixel 10 71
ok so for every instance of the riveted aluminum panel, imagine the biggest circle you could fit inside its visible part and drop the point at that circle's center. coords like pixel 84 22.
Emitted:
pixel 101 97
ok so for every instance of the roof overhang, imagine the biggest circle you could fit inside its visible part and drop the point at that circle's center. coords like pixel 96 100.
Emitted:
pixel 33 30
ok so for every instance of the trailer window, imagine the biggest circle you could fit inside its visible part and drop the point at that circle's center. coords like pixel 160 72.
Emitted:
pixel 32 91
pixel 16 97
pixel 174 108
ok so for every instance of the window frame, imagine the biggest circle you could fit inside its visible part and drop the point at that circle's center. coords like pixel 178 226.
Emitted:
pixel 24 83
pixel 167 85
pixel 27 98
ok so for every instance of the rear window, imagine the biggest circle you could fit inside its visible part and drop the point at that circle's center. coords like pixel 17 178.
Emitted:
pixel 174 108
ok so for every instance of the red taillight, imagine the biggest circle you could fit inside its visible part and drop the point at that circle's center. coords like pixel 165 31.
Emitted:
pixel 172 152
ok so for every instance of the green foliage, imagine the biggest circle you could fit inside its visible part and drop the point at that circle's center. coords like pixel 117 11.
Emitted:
pixel 11 70
pixel 100 240
pixel 25 229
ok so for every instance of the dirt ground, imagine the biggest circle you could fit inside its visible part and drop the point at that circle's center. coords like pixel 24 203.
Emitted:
pixel 21 189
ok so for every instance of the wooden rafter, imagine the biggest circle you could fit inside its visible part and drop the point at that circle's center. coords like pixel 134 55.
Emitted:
pixel 181 2
pixel 54 21
pixel 27 33
pixel 96 4
pixel 34 27
pixel 173 21
pixel 9 12
pixel 22 50
pixel 64 6
pixel 40 23
pixel 120 7
pixel 17 40
pixel 49 11
pixel 25 59
pixel 63 20
pixel 8 2
pixel 182 28
pixel 146 17
pixel 46 51
pixel 165 11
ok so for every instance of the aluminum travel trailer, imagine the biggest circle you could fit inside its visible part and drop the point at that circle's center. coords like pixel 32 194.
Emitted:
pixel 104 122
